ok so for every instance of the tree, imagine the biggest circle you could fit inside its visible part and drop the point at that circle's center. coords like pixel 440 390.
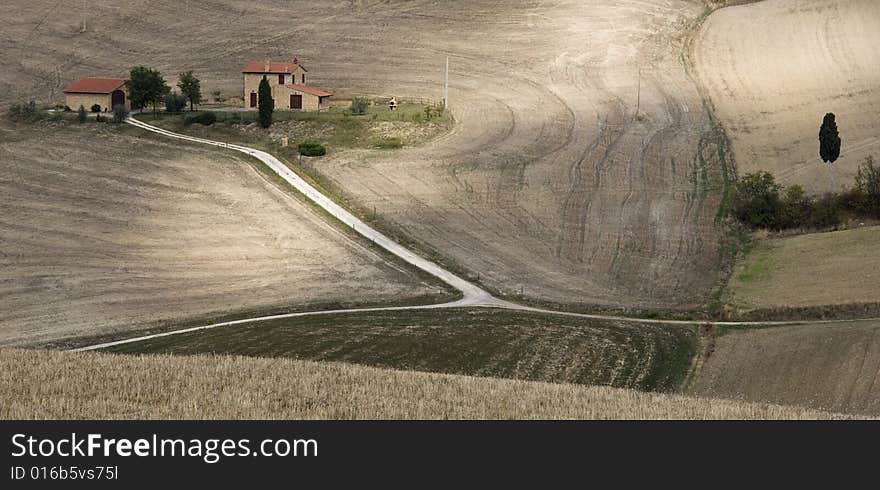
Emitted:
pixel 265 103
pixel 757 202
pixel 146 87
pixel 868 184
pixel 81 114
pixel 175 102
pixel 120 113
pixel 190 87
pixel 829 144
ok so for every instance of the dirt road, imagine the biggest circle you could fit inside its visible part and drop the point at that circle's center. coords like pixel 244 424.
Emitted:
pixel 551 182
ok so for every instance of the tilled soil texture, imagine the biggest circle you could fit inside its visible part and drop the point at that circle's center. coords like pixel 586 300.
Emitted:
pixel 102 232
pixel 831 367
pixel 552 185
pixel 774 68
pixel 486 342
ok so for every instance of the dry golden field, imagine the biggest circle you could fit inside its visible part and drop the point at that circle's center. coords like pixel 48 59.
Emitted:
pixel 840 270
pixel 66 385
pixel 550 183
pixel 774 68
pixel 103 232
pixel 830 367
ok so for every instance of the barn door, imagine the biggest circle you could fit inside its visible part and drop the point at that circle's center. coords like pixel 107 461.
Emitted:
pixel 117 98
pixel 296 101
pixel 253 99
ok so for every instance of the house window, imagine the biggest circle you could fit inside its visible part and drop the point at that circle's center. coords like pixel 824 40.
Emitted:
pixel 281 79
pixel 303 78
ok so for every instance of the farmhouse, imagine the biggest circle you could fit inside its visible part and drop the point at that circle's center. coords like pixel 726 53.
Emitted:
pixel 103 92
pixel 288 82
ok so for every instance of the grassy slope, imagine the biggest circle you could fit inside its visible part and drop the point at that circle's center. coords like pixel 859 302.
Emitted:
pixel 471 342
pixel 89 386
pixel 832 367
pixel 838 272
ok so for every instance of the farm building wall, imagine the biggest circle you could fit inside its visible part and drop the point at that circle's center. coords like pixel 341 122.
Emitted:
pixel 87 100
pixel 281 93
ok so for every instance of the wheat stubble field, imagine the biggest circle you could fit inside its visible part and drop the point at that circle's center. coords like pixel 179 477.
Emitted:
pixel 103 233
pixel 67 385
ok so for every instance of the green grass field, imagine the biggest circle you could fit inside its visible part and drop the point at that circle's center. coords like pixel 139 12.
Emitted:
pixel 481 342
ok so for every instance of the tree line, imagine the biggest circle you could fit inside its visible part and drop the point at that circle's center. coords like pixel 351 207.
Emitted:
pixel 760 202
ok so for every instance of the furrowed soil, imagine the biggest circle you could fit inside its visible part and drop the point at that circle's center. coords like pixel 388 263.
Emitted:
pixel 821 275
pixel 774 68
pixel 104 232
pixel 568 178
pixel 829 367
pixel 103 386
pixel 482 342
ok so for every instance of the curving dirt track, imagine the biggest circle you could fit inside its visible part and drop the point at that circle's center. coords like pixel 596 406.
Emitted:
pixel 774 68
pixel 548 183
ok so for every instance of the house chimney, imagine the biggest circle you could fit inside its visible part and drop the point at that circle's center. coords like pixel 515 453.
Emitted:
pixel 267 66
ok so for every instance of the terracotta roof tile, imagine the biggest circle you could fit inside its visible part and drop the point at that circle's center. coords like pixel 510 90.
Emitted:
pixel 310 90
pixel 90 85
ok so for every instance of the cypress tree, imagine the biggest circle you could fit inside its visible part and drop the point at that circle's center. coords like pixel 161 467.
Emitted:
pixel 829 144
pixel 265 104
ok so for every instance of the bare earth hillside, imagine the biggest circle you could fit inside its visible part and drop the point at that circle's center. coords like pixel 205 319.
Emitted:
pixel 75 386
pixel 550 183
pixel 101 232
pixel 774 68
pixel 831 367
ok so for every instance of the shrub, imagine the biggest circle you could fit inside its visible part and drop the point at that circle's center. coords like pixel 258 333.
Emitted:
pixel 311 149
pixel 26 111
pixel 826 212
pixel 868 184
pixel 175 103
pixel 96 108
pixel 428 112
pixel 796 208
pixel 203 118
pixel 757 202
pixel 81 114
pixel 359 105
pixel 120 113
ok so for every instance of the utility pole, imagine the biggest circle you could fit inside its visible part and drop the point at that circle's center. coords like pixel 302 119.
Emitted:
pixel 639 93
pixel 83 14
pixel 446 88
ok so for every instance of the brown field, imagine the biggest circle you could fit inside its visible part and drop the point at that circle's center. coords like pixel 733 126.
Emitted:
pixel 839 269
pixel 829 367
pixel 773 69
pixel 74 386
pixel 549 182
pixel 103 232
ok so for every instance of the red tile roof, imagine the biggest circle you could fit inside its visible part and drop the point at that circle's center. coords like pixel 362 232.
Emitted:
pixel 270 67
pixel 91 85
pixel 310 90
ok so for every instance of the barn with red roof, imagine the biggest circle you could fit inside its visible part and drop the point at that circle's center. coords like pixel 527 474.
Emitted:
pixel 288 82
pixel 89 92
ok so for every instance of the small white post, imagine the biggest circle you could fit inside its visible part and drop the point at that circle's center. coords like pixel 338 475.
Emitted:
pixel 446 88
